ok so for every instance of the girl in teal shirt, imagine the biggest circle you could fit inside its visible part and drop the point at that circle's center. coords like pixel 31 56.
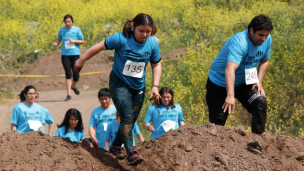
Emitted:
pixel 71 126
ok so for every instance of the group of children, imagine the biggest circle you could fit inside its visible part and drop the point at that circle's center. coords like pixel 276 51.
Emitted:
pixel 111 126
pixel 104 124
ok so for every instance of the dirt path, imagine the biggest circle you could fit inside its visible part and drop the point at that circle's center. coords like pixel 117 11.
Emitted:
pixel 54 101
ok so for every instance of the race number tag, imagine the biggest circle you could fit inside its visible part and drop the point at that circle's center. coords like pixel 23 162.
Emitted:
pixel 134 69
pixel 34 125
pixel 251 76
pixel 168 124
pixel 69 45
pixel 105 126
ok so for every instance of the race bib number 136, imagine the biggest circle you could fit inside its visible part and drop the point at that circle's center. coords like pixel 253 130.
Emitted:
pixel 134 69
pixel 251 76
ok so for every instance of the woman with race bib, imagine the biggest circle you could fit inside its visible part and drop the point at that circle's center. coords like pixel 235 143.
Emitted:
pixel 72 37
pixel 134 49
pixel 168 115
pixel 27 115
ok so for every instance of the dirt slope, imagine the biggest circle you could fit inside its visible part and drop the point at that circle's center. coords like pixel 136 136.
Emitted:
pixel 190 147
pixel 50 64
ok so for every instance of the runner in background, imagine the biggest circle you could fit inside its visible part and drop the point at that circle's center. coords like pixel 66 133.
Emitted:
pixel 112 131
pixel 72 37
pixel 233 74
pixel 47 118
pixel 71 126
pixel 134 49
pixel 165 116
pixel 27 115
pixel 101 117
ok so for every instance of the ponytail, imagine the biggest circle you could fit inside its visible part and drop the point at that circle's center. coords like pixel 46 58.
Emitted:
pixel 23 92
pixel 127 29
pixel 140 19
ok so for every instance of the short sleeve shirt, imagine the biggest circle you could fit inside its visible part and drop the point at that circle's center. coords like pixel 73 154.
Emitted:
pixel 74 136
pixel 22 113
pixel 159 115
pixel 100 118
pixel 127 49
pixel 239 50
pixel 72 33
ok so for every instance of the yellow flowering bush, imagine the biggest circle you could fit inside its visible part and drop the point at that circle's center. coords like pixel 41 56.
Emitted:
pixel 201 25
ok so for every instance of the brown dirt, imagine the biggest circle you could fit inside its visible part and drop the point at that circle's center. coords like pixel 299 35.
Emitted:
pixel 50 64
pixel 190 147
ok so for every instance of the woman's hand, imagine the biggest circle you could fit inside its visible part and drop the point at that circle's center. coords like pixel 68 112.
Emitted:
pixel 151 128
pixel 71 40
pixel 154 95
pixel 78 65
pixel 55 44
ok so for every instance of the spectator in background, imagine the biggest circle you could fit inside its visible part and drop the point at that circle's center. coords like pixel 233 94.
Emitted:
pixel 27 115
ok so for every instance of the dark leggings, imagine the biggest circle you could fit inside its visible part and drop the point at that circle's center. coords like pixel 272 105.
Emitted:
pixel 68 65
pixel 128 103
pixel 255 104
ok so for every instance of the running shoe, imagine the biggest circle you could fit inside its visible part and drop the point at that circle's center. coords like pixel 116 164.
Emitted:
pixel 134 158
pixel 76 91
pixel 68 98
pixel 117 151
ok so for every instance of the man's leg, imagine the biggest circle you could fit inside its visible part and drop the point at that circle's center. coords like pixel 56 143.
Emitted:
pixel 255 104
pixel 216 97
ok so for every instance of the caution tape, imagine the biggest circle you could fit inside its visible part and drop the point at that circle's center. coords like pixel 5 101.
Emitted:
pixel 61 75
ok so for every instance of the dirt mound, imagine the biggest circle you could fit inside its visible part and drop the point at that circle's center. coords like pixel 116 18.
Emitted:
pixel 50 64
pixel 190 147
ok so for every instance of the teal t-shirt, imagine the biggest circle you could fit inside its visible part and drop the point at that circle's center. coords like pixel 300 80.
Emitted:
pixel 160 115
pixel 71 33
pixel 128 50
pixel 113 128
pixel 100 118
pixel 22 113
pixel 239 50
pixel 75 136
pixel 47 118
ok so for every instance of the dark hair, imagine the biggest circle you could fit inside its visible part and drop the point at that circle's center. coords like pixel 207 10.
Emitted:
pixel 260 22
pixel 167 90
pixel 23 92
pixel 66 122
pixel 68 16
pixel 140 19
pixel 104 92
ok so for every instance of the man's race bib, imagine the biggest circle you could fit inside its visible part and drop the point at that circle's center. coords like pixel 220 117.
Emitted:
pixel 134 69
pixel 168 124
pixel 105 126
pixel 34 125
pixel 251 76
pixel 69 45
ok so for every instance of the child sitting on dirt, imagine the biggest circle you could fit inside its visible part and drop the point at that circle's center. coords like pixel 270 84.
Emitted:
pixel 71 126
pixel 168 115
pixel 112 131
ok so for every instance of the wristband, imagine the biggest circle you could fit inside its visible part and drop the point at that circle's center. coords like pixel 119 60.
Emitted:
pixel 148 127
pixel 155 86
